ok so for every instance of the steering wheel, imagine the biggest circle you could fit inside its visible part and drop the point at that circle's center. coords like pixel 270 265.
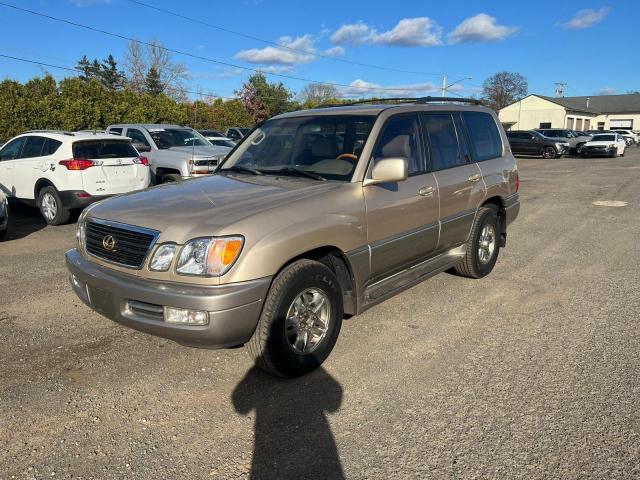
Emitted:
pixel 347 155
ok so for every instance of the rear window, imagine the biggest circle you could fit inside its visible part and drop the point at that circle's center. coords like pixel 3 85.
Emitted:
pixel 484 135
pixel 97 149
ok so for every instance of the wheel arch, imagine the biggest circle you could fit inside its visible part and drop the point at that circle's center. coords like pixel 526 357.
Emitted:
pixel 498 203
pixel 335 259
pixel 39 185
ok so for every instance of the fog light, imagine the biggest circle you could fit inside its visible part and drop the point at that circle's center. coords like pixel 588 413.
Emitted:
pixel 183 316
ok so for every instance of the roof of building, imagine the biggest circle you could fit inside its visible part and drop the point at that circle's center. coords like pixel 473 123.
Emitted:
pixel 627 103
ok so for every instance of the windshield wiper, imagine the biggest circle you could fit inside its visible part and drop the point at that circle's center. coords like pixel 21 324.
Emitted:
pixel 296 172
pixel 241 169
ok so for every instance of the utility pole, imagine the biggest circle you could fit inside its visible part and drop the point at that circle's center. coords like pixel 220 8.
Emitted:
pixel 444 84
pixel 560 89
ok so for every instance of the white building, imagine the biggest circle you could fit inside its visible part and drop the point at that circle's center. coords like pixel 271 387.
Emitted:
pixel 598 112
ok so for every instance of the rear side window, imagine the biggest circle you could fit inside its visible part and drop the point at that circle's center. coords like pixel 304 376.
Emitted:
pixel 137 136
pixel 101 149
pixel 442 137
pixel 116 130
pixel 33 147
pixel 50 146
pixel 484 135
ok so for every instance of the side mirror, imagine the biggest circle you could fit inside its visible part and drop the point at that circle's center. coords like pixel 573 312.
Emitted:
pixel 388 170
pixel 141 147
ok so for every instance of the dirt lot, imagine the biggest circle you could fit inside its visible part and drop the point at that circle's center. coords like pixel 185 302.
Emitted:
pixel 530 373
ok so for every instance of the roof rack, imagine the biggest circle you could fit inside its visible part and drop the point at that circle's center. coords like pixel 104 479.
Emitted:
pixel 48 130
pixel 418 100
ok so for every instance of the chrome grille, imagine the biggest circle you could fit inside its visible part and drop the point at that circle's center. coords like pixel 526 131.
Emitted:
pixel 119 243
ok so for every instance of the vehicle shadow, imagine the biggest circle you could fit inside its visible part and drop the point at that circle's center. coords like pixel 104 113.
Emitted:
pixel 292 435
pixel 23 221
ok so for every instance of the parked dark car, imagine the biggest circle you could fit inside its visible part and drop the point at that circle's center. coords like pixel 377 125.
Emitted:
pixel 530 142
pixel 562 134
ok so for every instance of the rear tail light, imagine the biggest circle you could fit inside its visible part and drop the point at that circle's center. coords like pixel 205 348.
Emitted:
pixel 141 161
pixel 517 181
pixel 78 163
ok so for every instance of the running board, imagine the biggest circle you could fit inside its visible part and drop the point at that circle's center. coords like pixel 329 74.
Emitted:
pixel 389 286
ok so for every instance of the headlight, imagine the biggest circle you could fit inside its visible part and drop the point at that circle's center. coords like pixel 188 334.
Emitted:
pixel 209 256
pixel 163 257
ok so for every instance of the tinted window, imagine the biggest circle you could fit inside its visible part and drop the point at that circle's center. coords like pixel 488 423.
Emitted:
pixel 177 137
pixel 401 138
pixel 12 149
pixel 97 149
pixel 484 135
pixel 50 146
pixel 33 147
pixel 137 136
pixel 116 130
pixel 442 141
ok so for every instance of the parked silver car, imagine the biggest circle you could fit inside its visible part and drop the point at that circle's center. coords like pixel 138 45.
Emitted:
pixel 572 137
pixel 175 152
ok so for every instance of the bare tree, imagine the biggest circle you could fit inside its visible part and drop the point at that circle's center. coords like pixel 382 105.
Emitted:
pixel 141 58
pixel 318 93
pixel 504 88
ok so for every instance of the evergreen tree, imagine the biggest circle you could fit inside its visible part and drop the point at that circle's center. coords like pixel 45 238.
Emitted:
pixel 152 83
pixel 110 76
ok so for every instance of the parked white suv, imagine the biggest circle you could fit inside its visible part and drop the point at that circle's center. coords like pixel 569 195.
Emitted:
pixel 61 171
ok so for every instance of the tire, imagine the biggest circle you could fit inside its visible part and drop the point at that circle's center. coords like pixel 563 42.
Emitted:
pixel 170 177
pixel 549 152
pixel 579 147
pixel 472 265
pixel 583 155
pixel 614 154
pixel 51 207
pixel 272 344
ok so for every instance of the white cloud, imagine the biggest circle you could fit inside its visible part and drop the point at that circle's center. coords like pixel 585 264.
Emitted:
pixel 291 51
pixel 480 28
pixel 408 32
pixel 89 3
pixel 336 51
pixel 606 91
pixel 277 69
pixel 586 18
pixel 362 88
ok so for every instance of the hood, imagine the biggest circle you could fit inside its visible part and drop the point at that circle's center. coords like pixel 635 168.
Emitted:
pixel 203 206
pixel 205 151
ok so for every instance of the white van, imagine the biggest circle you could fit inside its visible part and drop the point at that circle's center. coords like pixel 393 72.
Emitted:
pixel 61 171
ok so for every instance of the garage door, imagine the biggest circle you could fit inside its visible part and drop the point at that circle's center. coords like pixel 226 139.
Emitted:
pixel 626 124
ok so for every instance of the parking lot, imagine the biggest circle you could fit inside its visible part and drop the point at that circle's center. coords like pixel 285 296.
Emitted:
pixel 530 373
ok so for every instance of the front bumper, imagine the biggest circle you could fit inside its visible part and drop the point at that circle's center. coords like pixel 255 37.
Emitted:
pixel 234 309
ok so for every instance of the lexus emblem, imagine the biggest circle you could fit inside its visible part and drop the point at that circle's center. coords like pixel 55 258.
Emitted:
pixel 109 243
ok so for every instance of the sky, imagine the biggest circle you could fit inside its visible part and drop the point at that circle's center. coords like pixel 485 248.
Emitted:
pixel 382 48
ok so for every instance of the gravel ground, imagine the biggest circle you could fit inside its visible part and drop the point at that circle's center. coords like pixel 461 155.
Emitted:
pixel 529 373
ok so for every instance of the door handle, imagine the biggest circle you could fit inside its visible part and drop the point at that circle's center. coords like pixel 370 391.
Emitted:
pixel 475 177
pixel 425 191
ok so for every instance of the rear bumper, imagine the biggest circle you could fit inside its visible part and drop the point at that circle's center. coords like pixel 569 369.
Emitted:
pixel 234 309
pixel 71 199
pixel 512 207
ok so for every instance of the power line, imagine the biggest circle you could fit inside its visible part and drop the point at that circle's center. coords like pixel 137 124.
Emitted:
pixel 187 54
pixel 276 44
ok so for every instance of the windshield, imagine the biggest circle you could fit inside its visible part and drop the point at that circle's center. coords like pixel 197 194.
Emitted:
pixel 211 133
pixel 223 143
pixel 328 146
pixel 603 138
pixel 177 137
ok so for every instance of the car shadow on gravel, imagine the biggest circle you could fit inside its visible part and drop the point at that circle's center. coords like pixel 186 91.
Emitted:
pixel 23 221
pixel 292 434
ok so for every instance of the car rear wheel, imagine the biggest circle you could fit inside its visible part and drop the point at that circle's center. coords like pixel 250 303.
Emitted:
pixel 51 207
pixel 483 245
pixel 300 320
pixel 549 152
pixel 170 178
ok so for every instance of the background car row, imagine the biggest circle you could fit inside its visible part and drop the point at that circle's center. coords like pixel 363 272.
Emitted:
pixel 60 172
pixel 556 142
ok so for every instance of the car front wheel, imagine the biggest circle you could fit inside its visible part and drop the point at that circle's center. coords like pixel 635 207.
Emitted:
pixel 300 321
pixel 51 207
pixel 549 152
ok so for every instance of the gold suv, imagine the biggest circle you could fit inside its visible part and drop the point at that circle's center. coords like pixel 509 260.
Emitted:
pixel 316 215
